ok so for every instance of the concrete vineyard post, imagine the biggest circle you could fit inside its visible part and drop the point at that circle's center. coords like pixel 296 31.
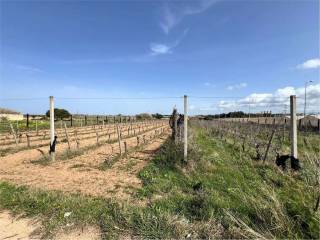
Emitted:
pixel 185 135
pixel 52 153
pixel 293 126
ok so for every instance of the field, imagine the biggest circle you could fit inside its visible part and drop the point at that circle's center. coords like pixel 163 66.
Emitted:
pixel 230 186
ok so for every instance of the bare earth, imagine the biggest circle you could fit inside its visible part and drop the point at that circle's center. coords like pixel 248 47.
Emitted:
pixel 17 228
pixel 80 174
pixel 12 228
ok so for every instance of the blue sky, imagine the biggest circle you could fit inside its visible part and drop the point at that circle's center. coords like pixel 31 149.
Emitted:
pixel 97 49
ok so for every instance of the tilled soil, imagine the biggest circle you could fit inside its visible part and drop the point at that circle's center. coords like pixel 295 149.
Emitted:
pixel 85 174
pixel 83 135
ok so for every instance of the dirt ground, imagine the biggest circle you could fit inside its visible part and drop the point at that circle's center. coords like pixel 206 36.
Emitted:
pixel 83 174
pixel 17 228
pixel 14 228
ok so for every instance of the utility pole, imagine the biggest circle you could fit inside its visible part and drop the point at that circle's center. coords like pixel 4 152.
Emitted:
pixel 305 98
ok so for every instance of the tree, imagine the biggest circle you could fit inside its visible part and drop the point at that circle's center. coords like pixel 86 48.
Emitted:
pixel 143 116
pixel 157 115
pixel 59 113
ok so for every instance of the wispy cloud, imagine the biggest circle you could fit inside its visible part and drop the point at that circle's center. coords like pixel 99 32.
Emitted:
pixel 237 86
pixel 311 63
pixel 161 48
pixel 29 69
pixel 122 59
pixel 173 15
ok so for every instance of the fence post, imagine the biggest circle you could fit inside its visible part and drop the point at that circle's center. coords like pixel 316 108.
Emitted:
pixel 85 120
pixel 28 120
pixel 52 142
pixel 293 126
pixel 185 127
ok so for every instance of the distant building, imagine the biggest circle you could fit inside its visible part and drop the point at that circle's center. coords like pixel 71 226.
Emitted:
pixel 11 115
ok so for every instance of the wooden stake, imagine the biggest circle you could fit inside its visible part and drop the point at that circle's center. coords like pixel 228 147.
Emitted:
pixel 37 127
pixel 97 135
pixel 268 147
pixel 28 139
pixel 76 138
pixel 119 140
pixel 67 136
pixel 125 147
pixel 14 134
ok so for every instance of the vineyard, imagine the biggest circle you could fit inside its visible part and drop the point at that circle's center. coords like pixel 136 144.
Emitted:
pixel 121 176
pixel 93 150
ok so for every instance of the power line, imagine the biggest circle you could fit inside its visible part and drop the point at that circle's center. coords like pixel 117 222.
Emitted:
pixel 22 99
pixel 118 98
pixel 90 98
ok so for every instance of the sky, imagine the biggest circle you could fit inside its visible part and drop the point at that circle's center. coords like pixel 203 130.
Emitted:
pixel 109 57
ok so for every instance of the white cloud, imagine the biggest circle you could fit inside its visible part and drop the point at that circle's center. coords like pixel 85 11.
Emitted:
pixel 158 49
pixel 237 86
pixel 278 99
pixel 311 63
pixel 172 16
